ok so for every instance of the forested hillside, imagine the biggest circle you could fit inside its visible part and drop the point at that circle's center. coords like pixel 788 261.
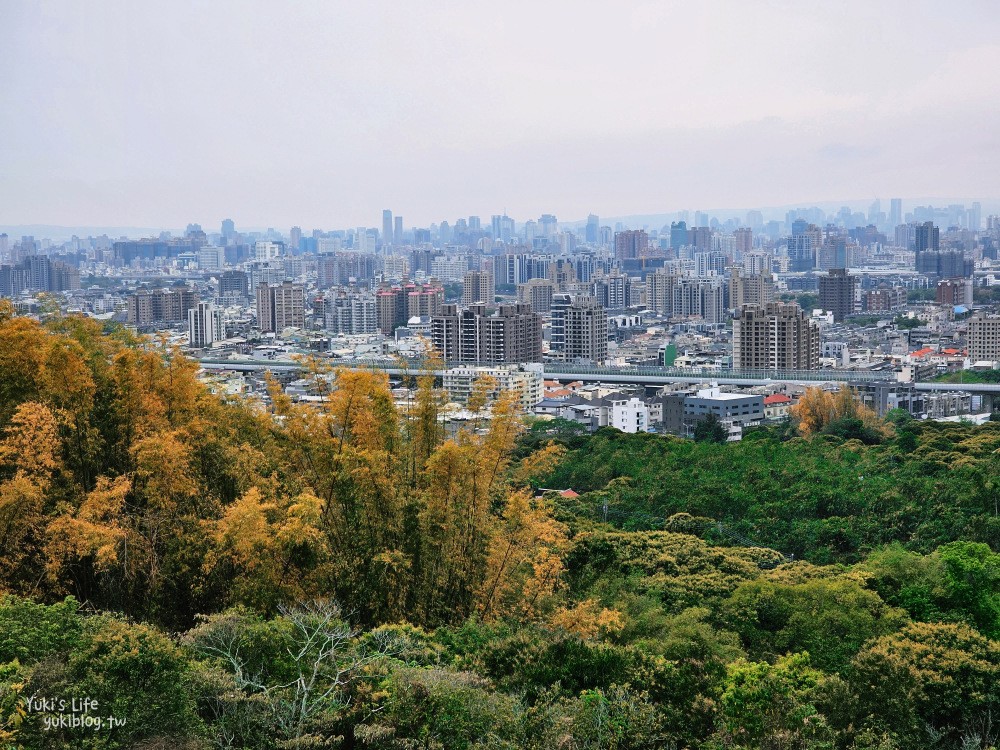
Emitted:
pixel 215 574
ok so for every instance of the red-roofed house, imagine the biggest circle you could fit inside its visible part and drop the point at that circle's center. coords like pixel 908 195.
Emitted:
pixel 776 406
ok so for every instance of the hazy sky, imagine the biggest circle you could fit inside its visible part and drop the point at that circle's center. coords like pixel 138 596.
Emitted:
pixel 323 113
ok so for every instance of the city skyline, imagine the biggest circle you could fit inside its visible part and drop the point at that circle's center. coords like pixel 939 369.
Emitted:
pixel 650 221
pixel 326 112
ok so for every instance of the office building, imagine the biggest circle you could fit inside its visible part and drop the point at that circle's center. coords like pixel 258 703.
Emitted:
pixel 927 237
pixel 211 258
pixel 803 246
pixel 205 325
pixel 265 251
pixel 593 230
pixel 586 332
pixel 678 235
pixel 387 238
pixel 280 306
pixel 775 336
pixel 837 293
pixel 895 212
pixel 732 409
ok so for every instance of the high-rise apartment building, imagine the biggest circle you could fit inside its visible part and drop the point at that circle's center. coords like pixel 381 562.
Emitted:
pixel 613 290
pixel 509 335
pixel 147 307
pixel 743 238
pixel 37 273
pixel 749 288
pixel 630 244
pixel 537 293
pixel 684 297
pixel 557 321
pixel 280 306
pixel 397 230
pixel 775 336
pixel 593 230
pixel 700 238
pixel 710 263
pixel 350 313
pixel 837 293
pixel 205 325
pixel 394 306
pixel 234 284
pixel 984 338
pixel 478 287
pixel 586 331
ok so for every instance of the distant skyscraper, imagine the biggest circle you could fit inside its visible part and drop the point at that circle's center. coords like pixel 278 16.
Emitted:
pixel 744 240
pixel 548 225
pixel 896 212
pixel 593 229
pixel 295 239
pixel 928 237
pixel 228 228
pixel 755 220
pixel 974 217
pixel 387 238
pixel 678 234
pixel 631 244
pixel 874 210
pixel 397 230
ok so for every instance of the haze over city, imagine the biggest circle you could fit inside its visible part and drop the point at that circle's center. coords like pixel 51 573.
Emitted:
pixel 321 114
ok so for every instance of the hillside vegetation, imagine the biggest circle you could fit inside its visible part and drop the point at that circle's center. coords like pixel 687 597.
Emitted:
pixel 217 575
